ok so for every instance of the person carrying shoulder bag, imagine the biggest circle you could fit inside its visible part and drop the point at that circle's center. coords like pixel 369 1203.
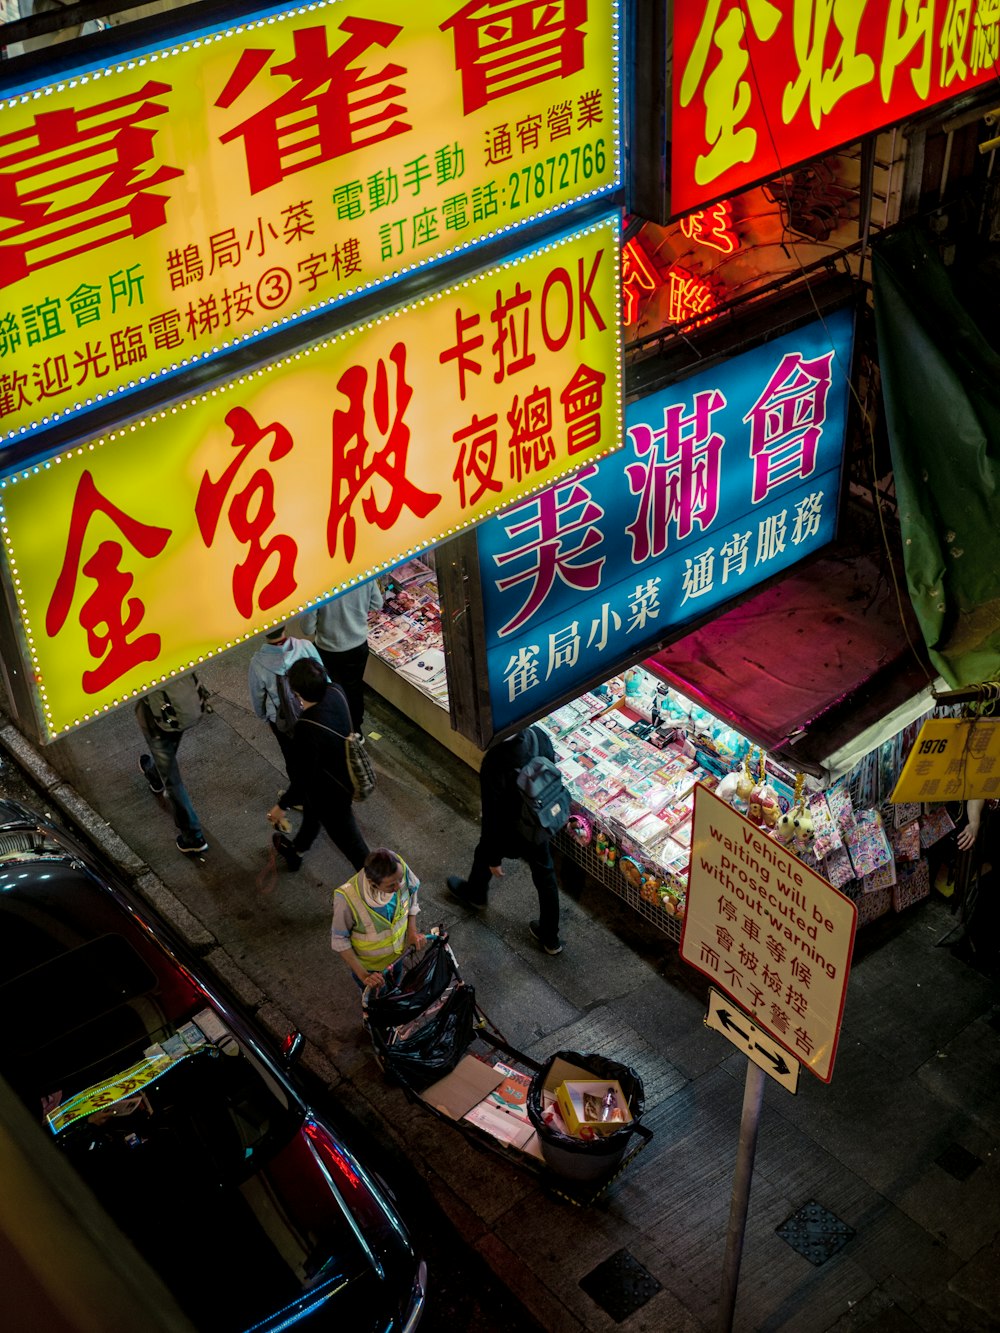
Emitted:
pixel 319 774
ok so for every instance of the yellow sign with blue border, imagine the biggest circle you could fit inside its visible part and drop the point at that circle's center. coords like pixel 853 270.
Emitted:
pixel 184 200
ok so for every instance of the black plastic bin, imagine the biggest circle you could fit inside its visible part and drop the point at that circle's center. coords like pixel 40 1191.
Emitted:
pixel 572 1158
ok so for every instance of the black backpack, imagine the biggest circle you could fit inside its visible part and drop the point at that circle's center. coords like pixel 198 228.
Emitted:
pixel 287 707
pixel 179 704
pixel 545 802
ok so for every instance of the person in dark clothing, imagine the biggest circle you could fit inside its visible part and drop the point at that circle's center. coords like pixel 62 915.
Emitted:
pixel 499 837
pixel 319 773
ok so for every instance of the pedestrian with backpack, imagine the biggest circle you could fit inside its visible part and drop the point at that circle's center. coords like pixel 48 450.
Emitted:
pixel 514 824
pixel 339 628
pixel 164 715
pixel 320 771
pixel 271 696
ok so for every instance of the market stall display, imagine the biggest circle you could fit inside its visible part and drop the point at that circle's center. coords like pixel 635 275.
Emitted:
pixel 632 752
pixel 406 632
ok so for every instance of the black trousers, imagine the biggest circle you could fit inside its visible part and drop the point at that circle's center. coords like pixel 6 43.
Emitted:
pixel 347 669
pixel 336 815
pixel 543 876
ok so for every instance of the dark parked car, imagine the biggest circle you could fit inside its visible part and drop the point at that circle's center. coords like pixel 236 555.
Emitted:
pixel 183 1119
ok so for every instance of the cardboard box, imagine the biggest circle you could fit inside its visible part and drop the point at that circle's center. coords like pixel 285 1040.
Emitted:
pixel 467 1084
pixel 581 1105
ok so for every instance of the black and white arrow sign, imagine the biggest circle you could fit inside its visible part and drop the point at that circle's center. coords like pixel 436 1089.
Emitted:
pixel 735 1025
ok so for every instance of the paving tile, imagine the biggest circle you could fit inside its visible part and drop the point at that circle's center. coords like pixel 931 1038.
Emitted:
pixel 890 991
pixel 963 1073
pixel 877 1312
pixel 960 1213
pixel 672 1018
pixel 602 1032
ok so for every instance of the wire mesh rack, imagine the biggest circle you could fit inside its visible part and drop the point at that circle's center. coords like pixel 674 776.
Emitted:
pixel 612 878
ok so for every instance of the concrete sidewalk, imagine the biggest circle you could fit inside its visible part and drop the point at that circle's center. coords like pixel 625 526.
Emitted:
pixel 899 1153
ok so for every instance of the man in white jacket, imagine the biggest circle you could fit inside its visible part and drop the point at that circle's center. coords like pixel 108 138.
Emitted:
pixel 339 629
pixel 271 660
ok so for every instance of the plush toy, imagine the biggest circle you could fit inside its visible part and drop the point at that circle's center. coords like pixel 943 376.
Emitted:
pixel 726 789
pixel 805 834
pixel 784 830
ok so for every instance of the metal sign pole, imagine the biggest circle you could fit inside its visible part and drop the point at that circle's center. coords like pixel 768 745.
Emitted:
pixel 753 1096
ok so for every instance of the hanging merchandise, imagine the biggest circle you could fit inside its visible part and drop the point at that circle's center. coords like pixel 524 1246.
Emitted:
pixel 633 752
pixel 785 827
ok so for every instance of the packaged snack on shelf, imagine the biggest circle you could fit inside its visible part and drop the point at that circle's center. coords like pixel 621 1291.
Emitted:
pixel 624 810
pixel 827 832
pixel 682 833
pixel 838 798
pixel 837 867
pixel 912 884
pixel 906 812
pixel 935 822
pixel 906 841
pixel 646 835
pixel 883 878
pixel 867 843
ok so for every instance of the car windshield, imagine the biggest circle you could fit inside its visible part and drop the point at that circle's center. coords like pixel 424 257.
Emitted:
pixel 188 1136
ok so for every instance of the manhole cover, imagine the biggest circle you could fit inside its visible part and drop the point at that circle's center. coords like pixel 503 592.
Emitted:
pixel 620 1285
pixel 958 1161
pixel 815 1233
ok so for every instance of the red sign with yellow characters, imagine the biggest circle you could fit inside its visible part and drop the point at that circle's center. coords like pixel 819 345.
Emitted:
pixel 186 199
pixel 300 478
pixel 761 85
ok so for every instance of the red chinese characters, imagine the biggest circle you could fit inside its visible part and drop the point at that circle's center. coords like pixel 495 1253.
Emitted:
pixel 639 277
pixel 75 180
pixel 109 615
pixel 370 442
pixel 333 105
pixel 565 305
pixel 502 46
pixel 250 513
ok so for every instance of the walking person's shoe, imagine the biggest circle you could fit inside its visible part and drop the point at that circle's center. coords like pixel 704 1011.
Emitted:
pixel 552 949
pixel 283 846
pixel 459 890
pixel 191 845
pixel 151 773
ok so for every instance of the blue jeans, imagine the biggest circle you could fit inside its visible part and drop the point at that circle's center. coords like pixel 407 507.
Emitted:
pixel 163 746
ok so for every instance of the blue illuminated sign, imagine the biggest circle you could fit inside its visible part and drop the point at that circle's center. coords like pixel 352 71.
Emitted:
pixel 724 480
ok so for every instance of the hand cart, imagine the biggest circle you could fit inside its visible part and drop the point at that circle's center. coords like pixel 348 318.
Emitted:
pixel 423 1028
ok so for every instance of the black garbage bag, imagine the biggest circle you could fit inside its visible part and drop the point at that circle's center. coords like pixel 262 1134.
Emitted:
pixel 434 1047
pixel 585 1159
pixel 430 975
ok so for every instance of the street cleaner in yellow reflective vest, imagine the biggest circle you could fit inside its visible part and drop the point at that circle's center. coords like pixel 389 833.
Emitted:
pixel 374 919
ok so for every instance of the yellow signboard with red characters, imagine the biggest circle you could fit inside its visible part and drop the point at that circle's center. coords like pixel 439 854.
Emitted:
pixel 144 552
pixel 186 199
